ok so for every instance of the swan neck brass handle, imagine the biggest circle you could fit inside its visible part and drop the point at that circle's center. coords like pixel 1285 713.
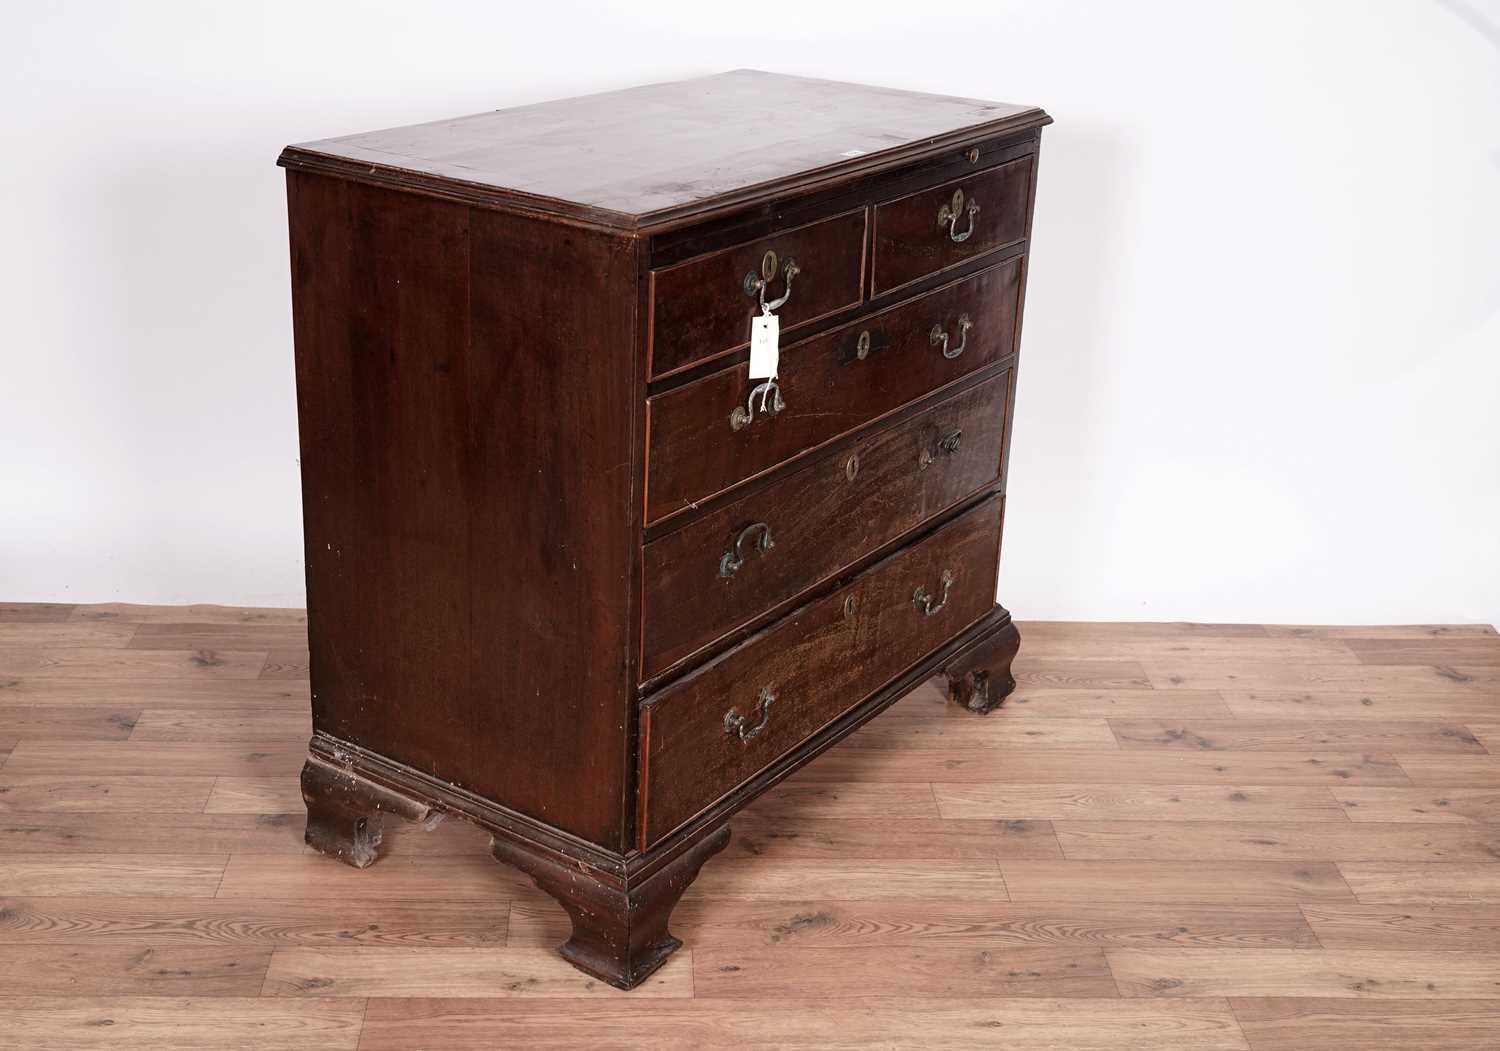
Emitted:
pixel 948 216
pixel 758 284
pixel 924 602
pixel 771 402
pixel 947 445
pixel 939 338
pixel 757 535
pixel 737 724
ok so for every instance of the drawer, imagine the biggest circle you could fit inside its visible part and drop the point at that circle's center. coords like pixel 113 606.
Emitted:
pixel 915 235
pixel 720 725
pixel 701 308
pixel 699 445
pixel 727 568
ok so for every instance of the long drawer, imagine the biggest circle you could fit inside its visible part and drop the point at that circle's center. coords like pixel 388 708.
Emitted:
pixel 728 567
pixel 703 735
pixel 701 440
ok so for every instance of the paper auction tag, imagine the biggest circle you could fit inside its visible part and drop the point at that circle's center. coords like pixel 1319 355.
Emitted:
pixel 765 348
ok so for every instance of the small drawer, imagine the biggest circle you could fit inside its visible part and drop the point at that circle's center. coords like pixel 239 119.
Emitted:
pixel 704 735
pixel 701 308
pixel 708 435
pixel 727 568
pixel 930 231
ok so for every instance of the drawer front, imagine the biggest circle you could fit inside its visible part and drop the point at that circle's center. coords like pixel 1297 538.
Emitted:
pixel 729 567
pixel 917 235
pixel 706 734
pixel 701 308
pixel 699 445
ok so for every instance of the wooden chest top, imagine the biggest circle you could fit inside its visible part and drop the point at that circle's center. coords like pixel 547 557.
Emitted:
pixel 664 153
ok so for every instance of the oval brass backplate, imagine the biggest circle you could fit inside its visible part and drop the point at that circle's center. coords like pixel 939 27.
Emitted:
pixel 851 466
pixel 768 266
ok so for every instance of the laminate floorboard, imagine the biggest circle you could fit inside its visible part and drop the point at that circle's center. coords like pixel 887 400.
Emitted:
pixel 1173 837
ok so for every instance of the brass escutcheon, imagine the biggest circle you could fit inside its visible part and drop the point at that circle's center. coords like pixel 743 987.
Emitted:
pixel 768 266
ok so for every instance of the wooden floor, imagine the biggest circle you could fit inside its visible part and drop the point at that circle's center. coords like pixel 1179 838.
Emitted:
pixel 1173 836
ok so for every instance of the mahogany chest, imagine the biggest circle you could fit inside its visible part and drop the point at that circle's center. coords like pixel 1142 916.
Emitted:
pixel 573 574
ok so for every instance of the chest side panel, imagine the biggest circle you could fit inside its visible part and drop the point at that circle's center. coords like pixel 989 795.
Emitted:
pixel 464 392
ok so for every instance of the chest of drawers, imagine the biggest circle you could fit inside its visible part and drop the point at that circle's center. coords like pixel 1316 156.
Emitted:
pixel 572 574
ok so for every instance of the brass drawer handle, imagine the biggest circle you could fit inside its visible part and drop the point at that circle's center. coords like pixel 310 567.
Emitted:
pixel 948 216
pixel 734 558
pixel 735 723
pixel 756 284
pixel 937 337
pixel 923 601
pixel 947 445
pixel 771 402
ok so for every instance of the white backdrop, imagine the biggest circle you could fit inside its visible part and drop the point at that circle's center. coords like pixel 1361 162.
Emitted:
pixel 1261 367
